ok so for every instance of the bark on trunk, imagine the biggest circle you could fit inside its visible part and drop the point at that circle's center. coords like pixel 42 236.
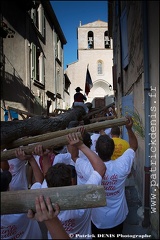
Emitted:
pixel 37 125
pixel 70 197
pixel 59 137
pixel 52 143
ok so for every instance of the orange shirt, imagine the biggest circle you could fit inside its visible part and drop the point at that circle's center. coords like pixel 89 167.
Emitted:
pixel 121 146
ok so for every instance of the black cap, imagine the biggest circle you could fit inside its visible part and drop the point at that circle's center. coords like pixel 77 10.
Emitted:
pixel 78 89
pixel 6 178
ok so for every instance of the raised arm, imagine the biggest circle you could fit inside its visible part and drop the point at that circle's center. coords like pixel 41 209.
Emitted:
pixel 96 162
pixel 36 170
pixel 46 155
pixel 132 138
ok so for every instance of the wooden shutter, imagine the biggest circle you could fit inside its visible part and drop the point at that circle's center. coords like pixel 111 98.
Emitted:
pixel 124 38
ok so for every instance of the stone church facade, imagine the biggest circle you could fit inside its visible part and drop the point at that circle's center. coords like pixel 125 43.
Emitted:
pixel 95 51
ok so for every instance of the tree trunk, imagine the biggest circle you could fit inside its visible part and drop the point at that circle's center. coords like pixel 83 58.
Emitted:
pixel 90 127
pixel 99 119
pixel 59 137
pixel 58 142
pixel 37 125
pixel 70 197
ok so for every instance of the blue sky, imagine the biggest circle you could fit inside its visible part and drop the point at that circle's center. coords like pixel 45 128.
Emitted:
pixel 69 15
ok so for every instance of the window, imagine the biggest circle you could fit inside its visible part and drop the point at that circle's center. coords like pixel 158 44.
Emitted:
pixel 59 49
pixel 37 64
pixel 124 39
pixel 106 40
pixel 37 14
pixel 58 80
pixel 99 67
pixel 90 40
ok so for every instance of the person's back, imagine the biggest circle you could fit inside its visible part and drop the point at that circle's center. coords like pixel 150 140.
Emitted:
pixel 116 209
pixel 82 177
pixel 109 219
pixel 18 171
pixel 17 226
pixel 94 138
pixel 79 99
pixel 75 222
pixel 121 145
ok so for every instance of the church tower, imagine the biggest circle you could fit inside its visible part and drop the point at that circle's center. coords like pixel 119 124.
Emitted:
pixel 95 51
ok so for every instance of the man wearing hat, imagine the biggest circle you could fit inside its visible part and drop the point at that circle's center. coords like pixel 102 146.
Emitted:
pixel 79 99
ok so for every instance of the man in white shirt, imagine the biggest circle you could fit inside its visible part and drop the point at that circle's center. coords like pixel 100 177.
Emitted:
pixel 77 223
pixel 109 219
pixel 17 226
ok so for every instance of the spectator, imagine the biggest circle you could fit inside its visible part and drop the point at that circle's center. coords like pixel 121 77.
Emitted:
pixel 79 99
pixel 121 145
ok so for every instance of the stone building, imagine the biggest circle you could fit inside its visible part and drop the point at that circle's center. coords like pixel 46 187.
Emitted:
pixel 95 51
pixel 32 76
pixel 134 27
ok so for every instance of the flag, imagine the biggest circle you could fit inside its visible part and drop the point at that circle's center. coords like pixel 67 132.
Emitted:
pixel 88 84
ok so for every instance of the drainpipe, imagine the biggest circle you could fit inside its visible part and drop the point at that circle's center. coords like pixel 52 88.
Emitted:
pixel 146 220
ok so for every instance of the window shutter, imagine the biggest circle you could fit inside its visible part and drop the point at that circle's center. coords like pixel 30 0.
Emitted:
pixel 33 61
pixel 124 38
pixel 33 15
pixel 41 68
pixel 41 20
pixel 114 73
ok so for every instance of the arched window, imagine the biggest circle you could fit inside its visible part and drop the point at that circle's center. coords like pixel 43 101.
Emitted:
pixel 90 40
pixel 106 40
pixel 99 67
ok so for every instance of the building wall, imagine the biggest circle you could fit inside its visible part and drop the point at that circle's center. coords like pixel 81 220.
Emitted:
pixel 132 79
pixel 153 33
pixel 89 57
pixel 19 90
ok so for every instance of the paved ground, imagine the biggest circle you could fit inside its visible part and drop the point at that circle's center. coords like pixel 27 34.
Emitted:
pixel 133 223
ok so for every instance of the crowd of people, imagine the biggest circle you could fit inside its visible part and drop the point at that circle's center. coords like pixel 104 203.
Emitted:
pixel 101 158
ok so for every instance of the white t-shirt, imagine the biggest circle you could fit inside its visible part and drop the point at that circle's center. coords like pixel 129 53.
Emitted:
pixel 19 226
pixel 116 210
pixel 83 169
pixel 94 138
pixel 82 178
pixel 59 158
pixel 77 222
pixel 17 168
pixel 108 132
pixel 63 158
